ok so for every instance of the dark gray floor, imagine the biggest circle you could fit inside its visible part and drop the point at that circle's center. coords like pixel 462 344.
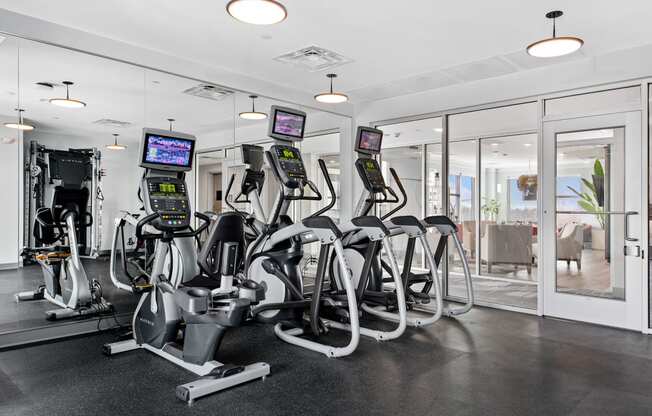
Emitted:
pixel 16 316
pixel 489 362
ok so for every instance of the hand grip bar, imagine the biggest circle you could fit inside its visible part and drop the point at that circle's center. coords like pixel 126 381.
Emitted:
pixel 403 194
pixel 331 189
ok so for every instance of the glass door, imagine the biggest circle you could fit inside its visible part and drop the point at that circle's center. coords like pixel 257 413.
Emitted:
pixel 592 253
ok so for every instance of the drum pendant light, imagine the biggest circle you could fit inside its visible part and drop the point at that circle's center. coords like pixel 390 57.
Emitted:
pixel 331 97
pixel 257 12
pixel 21 125
pixel 556 45
pixel 253 114
pixel 115 145
pixel 67 102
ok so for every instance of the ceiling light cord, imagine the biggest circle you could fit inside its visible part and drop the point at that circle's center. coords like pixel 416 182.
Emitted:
pixel 253 103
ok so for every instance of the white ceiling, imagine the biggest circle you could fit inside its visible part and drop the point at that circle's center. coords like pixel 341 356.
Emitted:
pixel 118 91
pixel 396 46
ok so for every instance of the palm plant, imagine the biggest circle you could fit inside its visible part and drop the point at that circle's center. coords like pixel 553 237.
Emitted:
pixel 593 200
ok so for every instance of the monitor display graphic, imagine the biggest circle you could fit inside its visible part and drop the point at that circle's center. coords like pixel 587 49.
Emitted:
pixel 169 151
pixel 370 141
pixel 289 124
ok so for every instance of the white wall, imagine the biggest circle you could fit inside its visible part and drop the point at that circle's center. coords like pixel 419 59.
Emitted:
pixel 10 212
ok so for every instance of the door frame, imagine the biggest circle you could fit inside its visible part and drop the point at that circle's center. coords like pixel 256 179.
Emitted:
pixel 635 306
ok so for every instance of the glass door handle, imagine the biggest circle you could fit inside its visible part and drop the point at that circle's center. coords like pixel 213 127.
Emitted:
pixel 627 237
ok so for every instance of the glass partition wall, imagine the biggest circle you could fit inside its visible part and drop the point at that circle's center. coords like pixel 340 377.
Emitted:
pixel 492 178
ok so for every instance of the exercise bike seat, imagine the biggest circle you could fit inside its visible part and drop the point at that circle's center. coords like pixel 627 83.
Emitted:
pixel 198 308
pixel 203 281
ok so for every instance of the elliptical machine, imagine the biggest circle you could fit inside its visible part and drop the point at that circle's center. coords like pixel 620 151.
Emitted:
pixel 375 295
pixel 250 190
pixel 273 259
pixel 190 301
pixel 59 231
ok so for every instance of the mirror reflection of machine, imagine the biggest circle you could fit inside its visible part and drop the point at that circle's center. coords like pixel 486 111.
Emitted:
pixel 69 182
pixel 48 168
pixel 188 301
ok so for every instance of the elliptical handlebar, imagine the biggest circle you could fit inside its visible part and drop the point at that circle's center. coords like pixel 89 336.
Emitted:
pixel 228 192
pixel 142 223
pixel 170 234
pixel 390 190
pixel 331 189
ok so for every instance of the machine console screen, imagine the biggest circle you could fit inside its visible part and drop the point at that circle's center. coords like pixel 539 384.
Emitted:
pixel 289 124
pixel 169 151
pixel 371 174
pixel 368 140
pixel 168 197
pixel 289 163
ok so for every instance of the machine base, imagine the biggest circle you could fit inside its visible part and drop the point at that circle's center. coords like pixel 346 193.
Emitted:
pixel 207 383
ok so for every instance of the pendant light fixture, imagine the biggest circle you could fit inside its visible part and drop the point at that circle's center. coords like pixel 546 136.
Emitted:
pixel 67 102
pixel 171 120
pixel 556 45
pixel 115 145
pixel 21 125
pixel 257 12
pixel 331 97
pixel 253 114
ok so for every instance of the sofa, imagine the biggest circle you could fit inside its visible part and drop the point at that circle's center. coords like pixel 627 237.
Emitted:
pixel 507 244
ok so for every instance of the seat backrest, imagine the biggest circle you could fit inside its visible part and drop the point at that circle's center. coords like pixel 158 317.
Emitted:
pixel 227 228
pixel 66 199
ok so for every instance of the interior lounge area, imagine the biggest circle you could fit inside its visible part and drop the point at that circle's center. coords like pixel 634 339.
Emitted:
pixel 245 207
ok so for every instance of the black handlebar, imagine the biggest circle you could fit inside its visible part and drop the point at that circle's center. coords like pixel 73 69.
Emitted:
pixel 170 234
pixel 143 222
pixel 331 189
pixel 391 191
pixel 302 196
pixel 228 191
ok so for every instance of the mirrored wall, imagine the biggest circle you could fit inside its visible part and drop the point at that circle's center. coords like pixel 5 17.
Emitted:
pixel 114 101
pixel 220 165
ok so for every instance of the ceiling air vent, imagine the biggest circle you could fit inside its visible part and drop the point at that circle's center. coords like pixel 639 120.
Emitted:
pixel 112 123
pixel 314 58
pixel 210 92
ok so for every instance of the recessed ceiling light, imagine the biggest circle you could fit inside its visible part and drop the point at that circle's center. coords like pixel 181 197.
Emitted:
pixel 115 145
pixel 331 97
pixel 67 102
pixel 438 129
pixel 21 125
pixel 257 12
pixel 495 144
pixel 554 46
pixel 527 144
pixel 253 114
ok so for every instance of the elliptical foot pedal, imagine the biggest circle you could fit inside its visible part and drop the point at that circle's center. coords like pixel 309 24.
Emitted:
pixel 225 370
pixel 421 298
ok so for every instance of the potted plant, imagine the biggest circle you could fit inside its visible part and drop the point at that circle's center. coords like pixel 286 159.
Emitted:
pixel 592 201
pixel 490 209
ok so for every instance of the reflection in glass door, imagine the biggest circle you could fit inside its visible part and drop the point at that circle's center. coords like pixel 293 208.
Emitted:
pixel 408 163
pixel 592 253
